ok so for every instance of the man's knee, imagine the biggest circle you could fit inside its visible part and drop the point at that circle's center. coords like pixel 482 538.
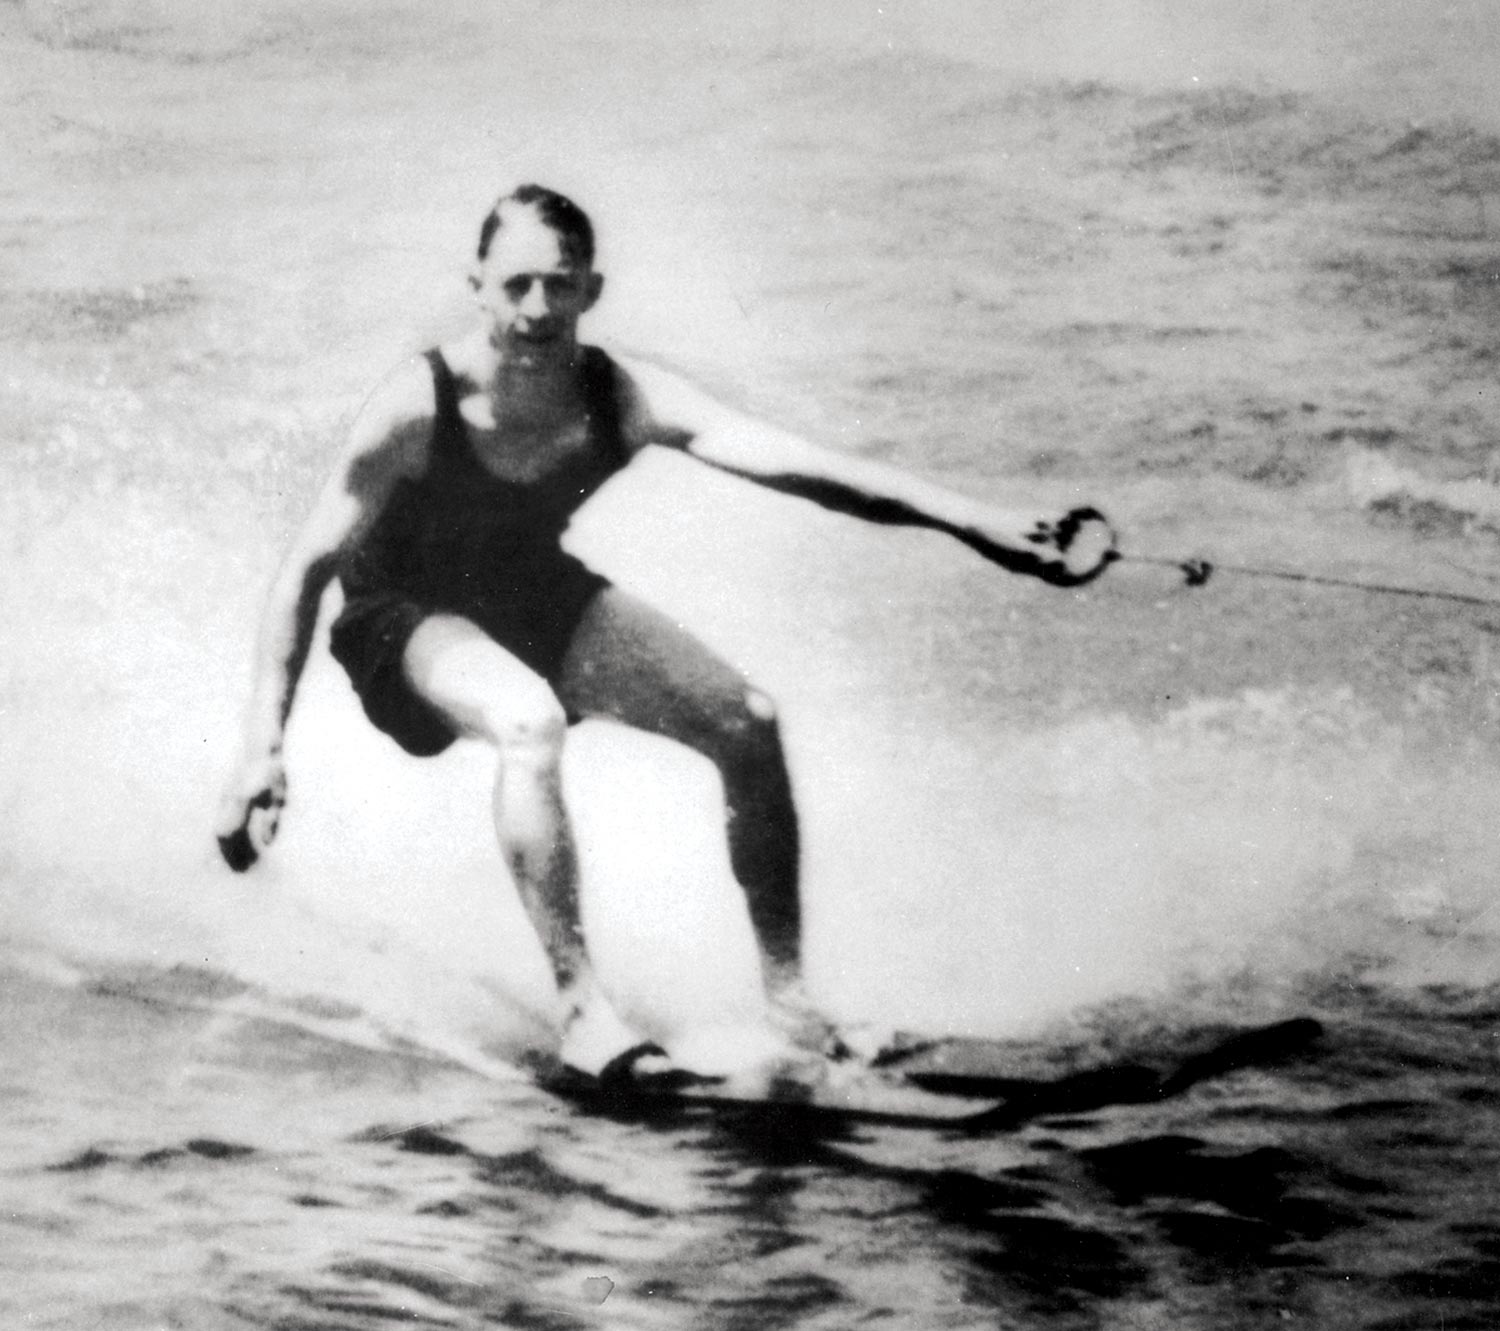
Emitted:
pixel 485 691
pixel 749 733
pixel 760 707
pixel 529 724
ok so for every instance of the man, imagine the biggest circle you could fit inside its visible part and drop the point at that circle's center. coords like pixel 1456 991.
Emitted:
pixel 463 616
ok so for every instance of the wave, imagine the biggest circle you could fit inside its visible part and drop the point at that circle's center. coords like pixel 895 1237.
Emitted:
pixel 1431 506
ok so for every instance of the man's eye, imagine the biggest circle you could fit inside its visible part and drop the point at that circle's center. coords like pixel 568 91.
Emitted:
pixel 517 288
pixel 558 286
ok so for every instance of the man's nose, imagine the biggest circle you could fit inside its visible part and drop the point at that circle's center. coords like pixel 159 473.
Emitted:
pixel 534 303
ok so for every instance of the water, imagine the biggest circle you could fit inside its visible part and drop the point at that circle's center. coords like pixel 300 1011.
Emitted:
pixel 1252 316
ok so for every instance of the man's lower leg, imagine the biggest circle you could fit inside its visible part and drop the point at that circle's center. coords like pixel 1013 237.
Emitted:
pixel 765 849
pixel 537 844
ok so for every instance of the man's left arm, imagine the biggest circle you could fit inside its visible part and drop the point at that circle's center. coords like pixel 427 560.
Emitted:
pixel 1064 549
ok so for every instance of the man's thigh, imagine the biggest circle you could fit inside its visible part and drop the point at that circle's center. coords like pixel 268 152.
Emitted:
pixel 631 663
pixel 480 688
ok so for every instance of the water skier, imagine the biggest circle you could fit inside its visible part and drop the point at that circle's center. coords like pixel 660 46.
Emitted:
pixel 464 617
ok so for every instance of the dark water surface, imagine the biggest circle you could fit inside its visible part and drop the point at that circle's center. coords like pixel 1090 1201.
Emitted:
pixel 1255 320
pixel 224 1173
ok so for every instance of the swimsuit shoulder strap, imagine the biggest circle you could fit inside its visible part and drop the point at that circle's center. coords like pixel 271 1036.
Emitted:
pixel 447 424
pixel 601 392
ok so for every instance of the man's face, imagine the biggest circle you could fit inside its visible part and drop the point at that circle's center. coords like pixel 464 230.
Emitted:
pixel 534 291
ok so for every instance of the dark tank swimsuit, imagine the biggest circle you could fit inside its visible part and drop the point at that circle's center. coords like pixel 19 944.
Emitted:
pixel 460 540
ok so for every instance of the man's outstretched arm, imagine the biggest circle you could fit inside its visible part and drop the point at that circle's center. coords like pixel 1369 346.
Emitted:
pixel 388 441
pixel 1065 549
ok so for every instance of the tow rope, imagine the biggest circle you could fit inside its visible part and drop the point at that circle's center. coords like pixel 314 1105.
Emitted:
pixel 1196 572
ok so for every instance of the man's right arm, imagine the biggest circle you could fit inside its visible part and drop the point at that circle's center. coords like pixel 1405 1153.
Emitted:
pixel 388 441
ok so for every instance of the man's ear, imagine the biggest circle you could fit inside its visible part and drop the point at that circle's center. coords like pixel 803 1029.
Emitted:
pixel 594 290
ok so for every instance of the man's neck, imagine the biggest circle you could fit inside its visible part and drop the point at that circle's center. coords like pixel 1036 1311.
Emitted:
pixel 519 394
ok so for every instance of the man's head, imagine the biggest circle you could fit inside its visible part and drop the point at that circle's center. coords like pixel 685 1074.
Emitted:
pixel 534 277
pixel 556 210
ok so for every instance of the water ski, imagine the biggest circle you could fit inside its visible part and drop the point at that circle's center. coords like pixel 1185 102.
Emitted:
pixel 958 1085
pixel 800 1093
pixel 985 1069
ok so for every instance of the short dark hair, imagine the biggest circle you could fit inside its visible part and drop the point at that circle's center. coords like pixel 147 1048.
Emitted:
pixel 557 210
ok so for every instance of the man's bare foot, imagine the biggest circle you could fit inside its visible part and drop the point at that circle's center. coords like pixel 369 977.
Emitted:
pixel 594 1034
pixel 868 1043
pixel 798 1020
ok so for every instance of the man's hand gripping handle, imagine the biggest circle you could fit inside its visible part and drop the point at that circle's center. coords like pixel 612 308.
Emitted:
pixel 1075 549
pixel 250 811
